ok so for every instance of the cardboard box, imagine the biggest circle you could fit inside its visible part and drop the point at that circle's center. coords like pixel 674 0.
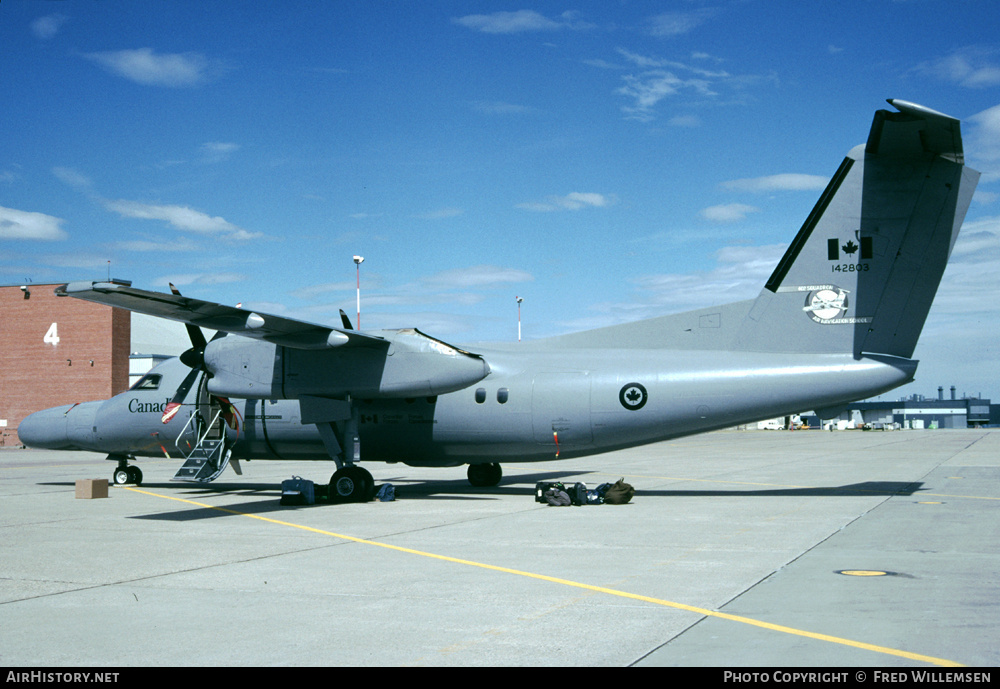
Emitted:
pixel 88 488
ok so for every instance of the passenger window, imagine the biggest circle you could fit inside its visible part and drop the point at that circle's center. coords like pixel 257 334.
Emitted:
pixel 150 381
pixel 502 395
pixel 480 395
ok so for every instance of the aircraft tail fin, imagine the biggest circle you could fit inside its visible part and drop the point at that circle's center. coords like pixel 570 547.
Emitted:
pixel 862 272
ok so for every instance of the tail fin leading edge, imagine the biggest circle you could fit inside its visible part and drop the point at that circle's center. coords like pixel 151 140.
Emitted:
pixel 862 272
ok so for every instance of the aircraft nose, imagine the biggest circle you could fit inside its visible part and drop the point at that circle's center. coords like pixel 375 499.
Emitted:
pixel 69 427
pixel 46 429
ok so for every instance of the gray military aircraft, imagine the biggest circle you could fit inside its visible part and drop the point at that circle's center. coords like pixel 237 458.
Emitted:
pixel 837 321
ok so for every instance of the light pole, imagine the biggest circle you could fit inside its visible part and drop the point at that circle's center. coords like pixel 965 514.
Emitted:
pixel 519 300
pixel 358 260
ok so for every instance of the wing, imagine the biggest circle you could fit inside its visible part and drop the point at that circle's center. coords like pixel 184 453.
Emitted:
pixel 287 332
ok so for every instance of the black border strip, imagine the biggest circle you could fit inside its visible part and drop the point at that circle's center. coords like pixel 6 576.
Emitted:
pixel 785 264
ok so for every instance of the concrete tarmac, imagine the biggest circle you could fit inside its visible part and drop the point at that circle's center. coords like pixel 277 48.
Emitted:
pixel 732 554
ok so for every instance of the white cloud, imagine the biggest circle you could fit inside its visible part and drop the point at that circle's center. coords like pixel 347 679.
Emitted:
pixel 573 201
pixel 982 145
pixel 48 26
pixel 71 177
pixel 476 276
pixel 971 67
pixel 144 66
pixel 182 218
pixel 730 212
pixel 183 279
pixel 783 182
pixel 658 79
pixel 684 121
pixel 15 224
pixel 146 245
pixel 519 22
pixel 78 259
pixel 441 214
pixel 958 345
pixel 979 240
pixel 602 64
pixel 678 23
pixel 327 288
pixel 217 151
pixel 501 108
pixel 740 273
pixel 647 88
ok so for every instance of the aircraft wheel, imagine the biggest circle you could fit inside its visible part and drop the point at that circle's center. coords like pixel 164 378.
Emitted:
pixel 485 475
pixel 369 484
pixel 134 475
pixel 351 484
pixel 121 476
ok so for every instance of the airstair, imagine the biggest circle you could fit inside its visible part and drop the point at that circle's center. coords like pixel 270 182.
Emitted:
pixel 206 459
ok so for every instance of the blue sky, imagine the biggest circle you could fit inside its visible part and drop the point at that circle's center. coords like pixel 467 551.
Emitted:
pixel 606 161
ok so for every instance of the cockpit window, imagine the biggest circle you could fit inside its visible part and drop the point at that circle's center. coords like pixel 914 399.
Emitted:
pixel 150 381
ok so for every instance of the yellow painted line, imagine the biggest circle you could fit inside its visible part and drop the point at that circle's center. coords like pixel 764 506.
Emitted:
pixel 863 572
pixel 574 584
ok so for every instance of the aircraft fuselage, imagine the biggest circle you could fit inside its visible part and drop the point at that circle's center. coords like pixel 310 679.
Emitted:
pixel 534 405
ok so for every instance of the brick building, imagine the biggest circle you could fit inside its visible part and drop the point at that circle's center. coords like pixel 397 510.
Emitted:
pixel 57 350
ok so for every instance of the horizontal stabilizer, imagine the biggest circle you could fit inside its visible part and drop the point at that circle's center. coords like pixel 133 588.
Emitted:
pixel 915 131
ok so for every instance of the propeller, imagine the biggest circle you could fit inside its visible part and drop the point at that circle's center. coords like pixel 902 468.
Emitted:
pixel 346 321
pixel 194 358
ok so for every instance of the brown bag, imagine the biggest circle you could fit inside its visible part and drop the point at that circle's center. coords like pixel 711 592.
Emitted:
pixel 620 493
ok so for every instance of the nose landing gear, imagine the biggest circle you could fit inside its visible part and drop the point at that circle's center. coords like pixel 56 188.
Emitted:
pixel 124 474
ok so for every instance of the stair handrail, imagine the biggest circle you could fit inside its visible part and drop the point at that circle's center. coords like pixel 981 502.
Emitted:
pixel 208 429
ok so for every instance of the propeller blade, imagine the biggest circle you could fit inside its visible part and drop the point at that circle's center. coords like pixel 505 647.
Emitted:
pixel 194 332
pixel 346 321
pixel 174 405
pixel 170 411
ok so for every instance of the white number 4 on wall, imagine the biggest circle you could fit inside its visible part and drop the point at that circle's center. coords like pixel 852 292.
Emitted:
pixel 51 335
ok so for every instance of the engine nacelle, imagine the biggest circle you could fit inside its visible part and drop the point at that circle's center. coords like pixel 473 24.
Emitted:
pixel 402 363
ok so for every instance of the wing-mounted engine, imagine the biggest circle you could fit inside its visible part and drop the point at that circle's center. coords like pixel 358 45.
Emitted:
pixel 284 358
pixel 393 363
pixel 410 364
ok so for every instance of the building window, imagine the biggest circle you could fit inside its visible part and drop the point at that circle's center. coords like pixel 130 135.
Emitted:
pixel 480 395
pixel 502 395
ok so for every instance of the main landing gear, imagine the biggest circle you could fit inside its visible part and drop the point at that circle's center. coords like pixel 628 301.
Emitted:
pixel 485 475
pixel 351 483
pixel 125 474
